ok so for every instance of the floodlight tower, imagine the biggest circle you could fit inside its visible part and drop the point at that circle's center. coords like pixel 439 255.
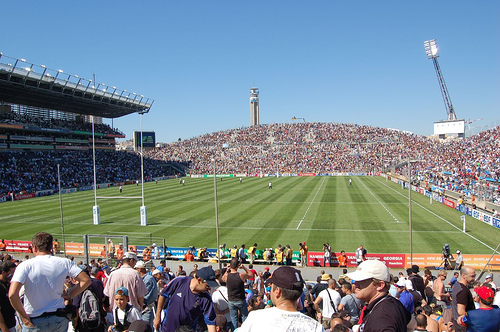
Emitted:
pixel 432 53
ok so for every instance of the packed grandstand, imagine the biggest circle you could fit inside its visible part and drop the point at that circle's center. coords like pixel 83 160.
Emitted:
pixel 461 165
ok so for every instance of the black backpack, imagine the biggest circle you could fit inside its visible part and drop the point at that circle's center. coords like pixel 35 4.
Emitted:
pixel 90 312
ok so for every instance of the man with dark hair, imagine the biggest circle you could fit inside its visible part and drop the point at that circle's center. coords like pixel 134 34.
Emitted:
pixel 383 312
pixel 185 300
pixel 416 279
pixel 7 312
pixel 461 297
pixel 286 288
pixel 487 317
pixel 126 276
pixel 43 278
pixel 421 320
pixel 235 283
pixel 350 303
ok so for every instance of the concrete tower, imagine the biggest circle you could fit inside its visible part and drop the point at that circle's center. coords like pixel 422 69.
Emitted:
pixel 254 107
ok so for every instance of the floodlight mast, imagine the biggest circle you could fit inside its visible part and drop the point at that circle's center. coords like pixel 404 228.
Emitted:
pixel 432 53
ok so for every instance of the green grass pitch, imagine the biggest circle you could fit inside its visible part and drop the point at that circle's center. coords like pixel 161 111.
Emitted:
pixel 372 212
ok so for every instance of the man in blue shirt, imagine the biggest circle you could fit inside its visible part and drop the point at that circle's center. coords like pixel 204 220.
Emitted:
pixel 487 317
pixel 405 296
pixel 184 300
pixel 151 295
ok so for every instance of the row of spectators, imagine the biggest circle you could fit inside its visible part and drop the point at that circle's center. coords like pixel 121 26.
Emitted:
pixel 30 120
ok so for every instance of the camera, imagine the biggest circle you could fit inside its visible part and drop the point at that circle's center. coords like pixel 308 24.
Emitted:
pixel 446 250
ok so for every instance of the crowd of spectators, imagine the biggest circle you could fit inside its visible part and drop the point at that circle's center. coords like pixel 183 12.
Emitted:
pixel 13 118
pixel 467 166
pixel 35 171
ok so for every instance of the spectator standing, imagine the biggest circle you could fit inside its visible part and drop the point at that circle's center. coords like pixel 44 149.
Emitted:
pixel 286 288
pixel 405 296
pixel 461 299
pixel 331 300
pixel 235 283
pixel 155 252
pixel 304 249
pixel 440 294
pixel 288 255
pixel 416 279
pixel 487 317
pixel 382 312
pixel 360 255
pixel 350 303
pixel 327 257
pixel 185 301
pixel 126 276
pixel 242 256
pixel 459 262
pixel 97 289
pixel 342 258
pixel 7 312
pixel 151 295
pixel 489 279
pixel 252 251
pixel 111 249
pixel 220 300
pixel 43 279
pixel 453 279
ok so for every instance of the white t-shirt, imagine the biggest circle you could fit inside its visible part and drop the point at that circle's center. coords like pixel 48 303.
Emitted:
pixel 328 311
pixel 219 297
pixel 277 320
pixel 132 316
pixel 43 277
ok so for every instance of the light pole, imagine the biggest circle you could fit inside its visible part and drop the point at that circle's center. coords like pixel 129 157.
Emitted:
pixel 409 210
pixel 61 207
pixel 216 215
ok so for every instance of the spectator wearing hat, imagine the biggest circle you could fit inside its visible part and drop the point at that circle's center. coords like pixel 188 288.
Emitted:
pixel 487 317
pixel 185 301
pixel 405 296
pixel 111 249
pixel 126 276
pixel 151 295
pixel 371 282
pixel 155 252
pixel 489 279
pixel 286 288
pixel 124 312
pixel 459 262
pixel 266 274
pixel 416 279
pixel 321 285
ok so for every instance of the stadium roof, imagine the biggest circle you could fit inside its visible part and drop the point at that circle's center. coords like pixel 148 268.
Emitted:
pixel 28 84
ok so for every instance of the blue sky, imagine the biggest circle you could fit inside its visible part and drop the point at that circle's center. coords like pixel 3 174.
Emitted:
pixel 327 61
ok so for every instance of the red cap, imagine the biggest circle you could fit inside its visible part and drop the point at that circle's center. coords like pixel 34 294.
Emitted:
pixel 485 293
pixel 266 268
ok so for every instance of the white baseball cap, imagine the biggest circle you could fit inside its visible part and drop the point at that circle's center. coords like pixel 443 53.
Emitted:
pixel 371 269
pixel 139 265
pixel 409 285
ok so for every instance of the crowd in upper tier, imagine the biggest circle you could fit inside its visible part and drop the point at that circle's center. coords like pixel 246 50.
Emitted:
pixel 30 120
pixel 334 147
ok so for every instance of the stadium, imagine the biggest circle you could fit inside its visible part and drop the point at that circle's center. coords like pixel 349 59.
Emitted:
pixel 53 142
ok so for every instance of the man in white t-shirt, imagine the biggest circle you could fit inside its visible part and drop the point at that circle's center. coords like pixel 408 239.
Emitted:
pixel 331 300
pixel 43 279
pixel 286 288
pixel 220 300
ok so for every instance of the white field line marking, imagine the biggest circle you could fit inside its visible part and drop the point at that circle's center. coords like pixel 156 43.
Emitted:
pixel 438 216
pixel 379 201
pixel 312 201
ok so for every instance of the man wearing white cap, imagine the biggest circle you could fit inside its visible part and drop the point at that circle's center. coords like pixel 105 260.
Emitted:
pixel 489 279
pixel 459 262
pixel 155 252
pixel 126 276
pixel 404 295
pixel 383 312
